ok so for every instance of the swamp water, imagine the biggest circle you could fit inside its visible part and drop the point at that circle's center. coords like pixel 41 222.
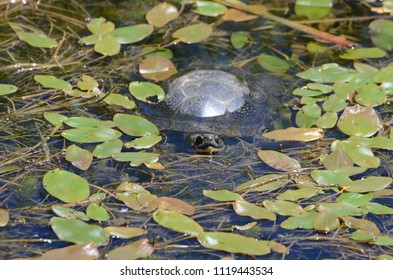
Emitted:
pixel 170 203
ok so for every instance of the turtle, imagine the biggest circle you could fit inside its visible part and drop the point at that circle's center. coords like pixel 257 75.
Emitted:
pixel 208 104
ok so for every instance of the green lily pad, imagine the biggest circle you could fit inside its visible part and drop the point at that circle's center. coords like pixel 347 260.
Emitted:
pixel 136 250
pixel 177 222
pixel 295 134
pixel 363 53
pixel 272 63
pixel 383 241
pixel 194 33
pixel 355 199
pixel 107 149
pixel 307 92
pixel 244 208
pixel 119 100
pixel 74 252
pixel 90 39
pixel 222 195
pixel 368 184
pixel 370 95
pixel 359 121
pixel 7 89
pixel 337 159
pixel 66 186
pixel 134 125
pixel 343 90
pixel 80 158
pixel 96 212
pixel 361 224
pixel 303 120
pixel 176 205
pixel 124 232
pixel 108 45
pixel 327 120
pixel 78 232
pixel 210 8
pixel 68 213
pixel 37 39
pixel 381 31
pixel 263 183
pixel 161 14
pixel 304 222
pixel 377 208
pixel 146 91
pixel 360 154
pixel 233 243
pixel 79 122
pixel 284 208
pixel 136 197
pixel 52 82
pixel 313 9
pixel 91 134
pixel 54 118
pixel 279 160
pixel 239 39
pixel 334 103
pixel 384 75
pixel 321 87
pixel 330 177
pixel 341 209
pixel 294 195
pixel 100 26
pixel 326 220
pixel 132 34
pixel 328 73
pixel 136 158
pixel 144 142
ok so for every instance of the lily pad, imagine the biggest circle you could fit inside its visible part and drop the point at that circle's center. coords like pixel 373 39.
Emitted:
pixel 54 118
pixel 134 125
pixel 264 183
pixel 295 134
pixel 304 222
pixel 355 199
pixel 74 252
pixel 136 158
pixel 132 34
pixel 161 14
pixel 66 212
pixel 359 121
pixel 91 134
pixel 363 53
pixel 194 33
pixel 327 120
pixel 176 205
pixel 272 63
pixel 79 157
pixel 279 160
pixel 313 9
pixel 177 222
pixel 328 73
pixel 97 213
pixel 136 250
pixel 108 45
pixel 157 68
pixel 233 243
pixel 326 220
pixel 222 195
pixel 284 208
pixel 78 232
pixel 244 208
pixel 239 39
pixel 368 184
pixel 381 31
pixel 107 149
pixel 124 232
pixel 294 195
pixel 144 142
pixel 66 186
pixel 146 91
pixel 210 8
pixel 361 224
pixel 100 26
pixel 7 89
pixel 119 100
pixel 377 208
pixel 88 122
pixel 52 82
pixel 370 95
pixel 237 15
pixel 37 39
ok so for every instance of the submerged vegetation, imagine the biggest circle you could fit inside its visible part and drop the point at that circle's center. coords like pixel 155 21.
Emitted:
pixel 87 174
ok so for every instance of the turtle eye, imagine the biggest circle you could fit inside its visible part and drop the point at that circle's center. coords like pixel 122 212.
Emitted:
pixel 199 140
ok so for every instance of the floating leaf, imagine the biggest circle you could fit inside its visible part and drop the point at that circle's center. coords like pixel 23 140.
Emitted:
pixel 76 231
pixel 327 120
pixel 246 226
pixel 108 45
pixel 237 15
pixel 161 14
pixel 328 73
pixel 369 184
pixel 52 82
pixel 136 158
pixel 359 153
pixel 326 220
pixel 73 252
pixel 359 121
pixel 222 195
pixel 307 92
pixel 176 205
pixel 154 165
pixel 233 243
pixel 97 213
pixel 37 39
pixel 363 53
pixel 355 199
pixel 157 68
pixel 337 159
pixel 146 91
pixel 177 222
pixel 79 158
pixel 330 177
pixel 304 222
pixel 264 183
pixel 124 232
pixel 279 160
pixel 132 34
pixel 284 208
pixel 377 208
pixel 384 257
pixel 321 87
pixel 66 186
pixel 334 103
pixel 4 217
pixel 313 9
pixel 91 134
pixel 7 89
pixel 361 224
pixel 381 33
pixel 157 51
pixel 54 118
pixel 136 250
pixel 88 122
pixel 295 134
pixel 100 26
pixel 383 241
pixel 107 149
pixel 194 33
pixel 134 125
pixel 294 195
pixel 239 39
pixel 209 8
pixel 370 95
pixel 136 197
pixel 68 213
pixel 272 63
pixel 88 83
pixel 119 100
pixel 341 209
pixel 144 142
pixel 244 208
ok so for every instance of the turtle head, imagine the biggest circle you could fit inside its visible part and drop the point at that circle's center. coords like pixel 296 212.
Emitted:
pixel 206 143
